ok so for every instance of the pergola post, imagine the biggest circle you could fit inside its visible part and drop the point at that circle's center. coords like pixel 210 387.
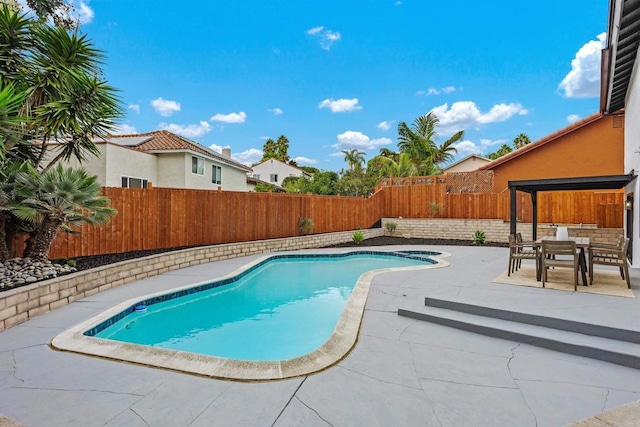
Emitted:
pixel 534 211
pixel 512 210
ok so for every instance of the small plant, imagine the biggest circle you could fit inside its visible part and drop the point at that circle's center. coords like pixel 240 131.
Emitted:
pixel 479 237
pixel 357 237
pixel 391 227
pixel 305 226
pixel 72 263
pixel 435 208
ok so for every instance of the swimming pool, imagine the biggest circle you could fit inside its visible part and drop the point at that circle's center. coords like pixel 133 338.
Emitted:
pixel 122 333
pixel 283 308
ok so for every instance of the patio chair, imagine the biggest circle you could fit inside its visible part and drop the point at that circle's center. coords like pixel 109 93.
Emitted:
pixel 614 255
pixel 518 252
pixel 559 253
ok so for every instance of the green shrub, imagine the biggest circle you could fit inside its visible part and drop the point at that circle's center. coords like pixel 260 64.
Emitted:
pixel 391 227
pixel 435 208
pixel 72 263
pixel 357 237
pixel 305 226
pixel 479 237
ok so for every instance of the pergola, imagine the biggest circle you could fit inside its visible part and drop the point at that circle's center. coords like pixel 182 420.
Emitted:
pixel 606 182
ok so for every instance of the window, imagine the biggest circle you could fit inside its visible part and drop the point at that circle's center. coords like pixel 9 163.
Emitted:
pixel 256 175
pixel 197 165
pixel 128 182
pixel 216 175
pixel 274 177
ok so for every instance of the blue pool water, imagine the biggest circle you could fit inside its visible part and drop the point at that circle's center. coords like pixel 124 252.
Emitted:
pixel 284 307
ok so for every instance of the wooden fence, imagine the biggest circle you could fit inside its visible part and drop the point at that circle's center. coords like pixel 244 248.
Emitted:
pixel 167 218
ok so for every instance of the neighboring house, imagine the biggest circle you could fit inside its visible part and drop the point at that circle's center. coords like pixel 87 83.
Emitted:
pixel 252 182
pixel 468 164
pixel 620 94
pixel 166 160
pixel 589 147
pixel 274 171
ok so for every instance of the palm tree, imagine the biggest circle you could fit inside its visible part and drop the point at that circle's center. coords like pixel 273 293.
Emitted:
pixel 66 101
pixel 390 168
pixel 521 140
pixel 418 141
pixel 60 198
pixel 504 149
pixel 354 158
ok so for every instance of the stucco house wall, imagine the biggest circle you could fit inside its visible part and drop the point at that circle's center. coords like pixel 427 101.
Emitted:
pixel 594 148
pixel 468 164
pixel 632 155
pixel 171 172
pixel 264 170
pixel 122 161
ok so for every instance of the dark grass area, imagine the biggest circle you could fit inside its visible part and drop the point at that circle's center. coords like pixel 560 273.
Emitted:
pixel 85 263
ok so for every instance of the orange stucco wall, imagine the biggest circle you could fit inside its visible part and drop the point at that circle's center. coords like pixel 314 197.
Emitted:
pixel 594 149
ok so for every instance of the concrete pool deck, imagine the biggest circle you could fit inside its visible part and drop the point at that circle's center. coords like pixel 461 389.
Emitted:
pixel 402 371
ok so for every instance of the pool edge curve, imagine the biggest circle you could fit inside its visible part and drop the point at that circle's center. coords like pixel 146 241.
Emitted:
pixel 335 349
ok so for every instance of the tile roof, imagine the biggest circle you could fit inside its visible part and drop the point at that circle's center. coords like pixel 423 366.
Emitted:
pixel 164 140
pixel 542 141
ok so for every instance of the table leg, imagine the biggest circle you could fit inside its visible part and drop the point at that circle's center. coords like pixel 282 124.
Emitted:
pixel 583 266
pixel 539 267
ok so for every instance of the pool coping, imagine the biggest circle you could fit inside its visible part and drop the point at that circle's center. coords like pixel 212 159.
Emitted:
pixel 336 348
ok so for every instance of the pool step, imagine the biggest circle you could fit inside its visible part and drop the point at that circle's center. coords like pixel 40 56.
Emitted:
pixel 580 339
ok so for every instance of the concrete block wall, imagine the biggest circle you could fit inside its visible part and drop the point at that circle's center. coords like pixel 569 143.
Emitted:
pixel 495 230
pixel 21 304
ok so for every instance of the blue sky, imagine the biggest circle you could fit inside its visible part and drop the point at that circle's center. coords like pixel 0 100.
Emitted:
pixel 336 75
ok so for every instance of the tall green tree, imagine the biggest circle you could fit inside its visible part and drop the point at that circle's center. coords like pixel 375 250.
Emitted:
pixel 66 103
pixel 520 141
pixel 419 142
pixel 278 149
pixel 53 104
pixel 504 149
pixel 354 158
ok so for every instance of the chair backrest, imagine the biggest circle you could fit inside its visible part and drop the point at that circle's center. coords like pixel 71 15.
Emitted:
pixel 624 246
pixel 519 238
pixel 558 247
pixel 620 240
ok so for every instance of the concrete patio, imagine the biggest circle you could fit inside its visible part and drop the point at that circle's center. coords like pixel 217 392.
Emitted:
pixel 401 372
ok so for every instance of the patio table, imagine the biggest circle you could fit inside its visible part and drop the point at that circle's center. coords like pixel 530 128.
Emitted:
pixel 582 243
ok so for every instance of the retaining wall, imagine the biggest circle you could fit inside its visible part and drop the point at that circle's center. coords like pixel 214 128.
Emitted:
pixel 24 303
pixel 495 230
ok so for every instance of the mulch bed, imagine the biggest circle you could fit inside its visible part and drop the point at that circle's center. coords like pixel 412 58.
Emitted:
pixel 85 263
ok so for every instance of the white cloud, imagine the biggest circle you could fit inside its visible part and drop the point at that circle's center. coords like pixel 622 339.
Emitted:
pixel 218 148
pixel 436 91
pixel 248 157
pixel 583 81
pixel 385 125
pixel 189 131
pixel 84 13
pixel 315 30
pixel 123 129
pixel 305 160
pixel 467 147
pixel 572 118
pixel 275 111
pixel 351 139
pixel 464 114
pixel 340 105
pixel 326 37
pixel 164 107
pixel 134 107
pixel 230 118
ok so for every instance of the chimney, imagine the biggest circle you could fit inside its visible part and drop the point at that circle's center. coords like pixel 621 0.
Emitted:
pixel 226 152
